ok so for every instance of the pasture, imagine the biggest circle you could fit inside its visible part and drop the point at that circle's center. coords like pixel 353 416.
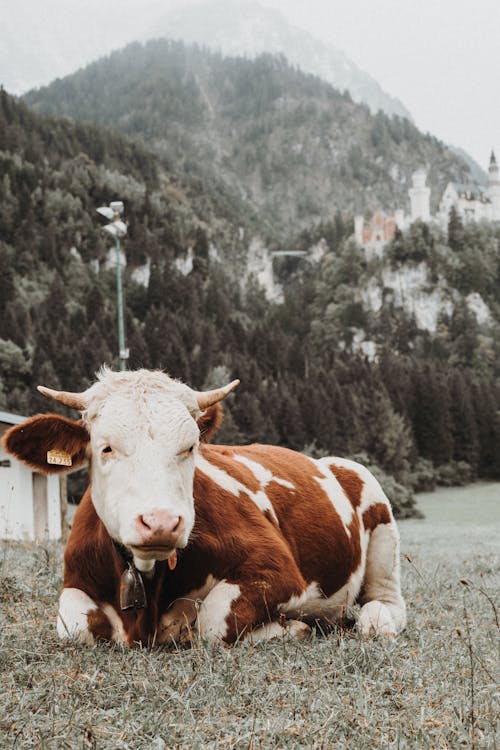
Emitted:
pixel 436 686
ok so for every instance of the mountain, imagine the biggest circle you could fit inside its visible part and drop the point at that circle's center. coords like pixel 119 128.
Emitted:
pixel 249 29
pixel 285 142
pixel 477 173
pixel 55 44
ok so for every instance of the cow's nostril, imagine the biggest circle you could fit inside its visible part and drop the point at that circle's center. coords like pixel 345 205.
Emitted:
pixel 158 523
pixel 179 527
pixel 143 522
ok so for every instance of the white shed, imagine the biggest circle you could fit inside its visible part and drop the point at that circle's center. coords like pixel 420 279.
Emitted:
pixel 32 505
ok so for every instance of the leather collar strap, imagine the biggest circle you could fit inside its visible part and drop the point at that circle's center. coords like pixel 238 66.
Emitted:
pixel 123 553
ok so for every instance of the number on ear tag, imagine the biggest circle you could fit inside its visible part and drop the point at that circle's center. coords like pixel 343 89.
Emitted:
pixel 59 458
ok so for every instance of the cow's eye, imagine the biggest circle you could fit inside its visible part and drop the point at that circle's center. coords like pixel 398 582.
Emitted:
pixel 186 452
pixel 107 449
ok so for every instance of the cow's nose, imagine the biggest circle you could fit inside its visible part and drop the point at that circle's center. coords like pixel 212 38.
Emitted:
pixel 159 528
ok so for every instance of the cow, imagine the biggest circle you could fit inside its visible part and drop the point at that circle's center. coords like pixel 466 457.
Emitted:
pixel 177 539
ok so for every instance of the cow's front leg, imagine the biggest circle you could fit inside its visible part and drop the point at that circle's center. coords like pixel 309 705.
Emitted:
pixel 234 610
pixel 80 618
pixel 178 624
pixel 280 629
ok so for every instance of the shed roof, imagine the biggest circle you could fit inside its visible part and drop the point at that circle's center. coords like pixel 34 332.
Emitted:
pixel 7 418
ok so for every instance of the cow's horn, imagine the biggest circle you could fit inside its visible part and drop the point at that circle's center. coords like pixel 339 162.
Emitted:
pixel 73 400
pixel 207 398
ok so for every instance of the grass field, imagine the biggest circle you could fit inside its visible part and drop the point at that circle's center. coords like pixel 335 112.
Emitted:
pixel 436 686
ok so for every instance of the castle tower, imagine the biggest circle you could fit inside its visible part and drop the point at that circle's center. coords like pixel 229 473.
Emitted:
pixel 494 187
pixel 359 224
pixel 420 197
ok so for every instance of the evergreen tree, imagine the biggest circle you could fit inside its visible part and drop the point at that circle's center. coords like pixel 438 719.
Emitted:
pixel 455 230
pixel 431 416
pixel 463 422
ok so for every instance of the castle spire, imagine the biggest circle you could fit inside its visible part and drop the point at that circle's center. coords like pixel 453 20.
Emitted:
pixel 493 171
pixel 493 189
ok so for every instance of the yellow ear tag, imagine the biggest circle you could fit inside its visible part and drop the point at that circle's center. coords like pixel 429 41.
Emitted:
pixel 59 458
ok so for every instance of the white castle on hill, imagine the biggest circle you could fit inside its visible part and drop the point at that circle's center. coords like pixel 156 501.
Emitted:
pixel 472 202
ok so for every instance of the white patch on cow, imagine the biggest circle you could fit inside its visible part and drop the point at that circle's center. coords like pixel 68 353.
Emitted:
pixel 371 492
pixel 294 628
pixel 215 609
pixel 284 483
pixel 232 485
pixel 262 502
pixel 333 490
pixel 146 567
pixel 296 603
pixel 74 605
pixel 262 475
pixel 313 604
pixel 118 635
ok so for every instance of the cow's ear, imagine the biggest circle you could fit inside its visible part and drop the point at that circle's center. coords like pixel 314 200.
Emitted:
pixel 48 443
pixel 209 422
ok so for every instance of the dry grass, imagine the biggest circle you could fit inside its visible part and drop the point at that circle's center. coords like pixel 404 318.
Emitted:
pixel 433 687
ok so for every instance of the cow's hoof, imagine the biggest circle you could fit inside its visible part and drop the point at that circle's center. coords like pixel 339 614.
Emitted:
pixel 298 629
pixel 375 619
pixel 285 628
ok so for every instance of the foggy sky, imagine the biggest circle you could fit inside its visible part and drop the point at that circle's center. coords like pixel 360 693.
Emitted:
pixel 440 57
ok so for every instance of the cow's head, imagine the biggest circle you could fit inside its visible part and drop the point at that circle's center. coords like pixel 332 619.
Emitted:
pixel 140 432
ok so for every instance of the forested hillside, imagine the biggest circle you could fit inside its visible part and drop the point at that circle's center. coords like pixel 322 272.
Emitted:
pixel 57 315
pixel 249 29
pixel 287 143
pixel 426 400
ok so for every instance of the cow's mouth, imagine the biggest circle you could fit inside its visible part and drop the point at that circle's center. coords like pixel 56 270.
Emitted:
pixel 152 552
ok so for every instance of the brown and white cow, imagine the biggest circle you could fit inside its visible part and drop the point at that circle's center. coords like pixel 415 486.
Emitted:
pixel 174 537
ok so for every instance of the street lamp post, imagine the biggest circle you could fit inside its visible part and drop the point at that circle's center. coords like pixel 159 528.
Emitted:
pixel 117 229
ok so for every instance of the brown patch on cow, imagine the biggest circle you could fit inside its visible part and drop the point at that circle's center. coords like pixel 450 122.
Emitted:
pixel 99 625
pixel 351 483
pixel 308 521
pixel 92 564
pixel 209 422
pixel 31 440
pixel 90 561
pixel 376 514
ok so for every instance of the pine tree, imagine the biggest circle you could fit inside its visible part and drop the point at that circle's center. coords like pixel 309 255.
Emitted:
pixel 431 417
pixel 463 422
pixel 455 230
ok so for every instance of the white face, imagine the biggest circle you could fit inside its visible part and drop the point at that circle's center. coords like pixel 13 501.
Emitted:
pixel 143 444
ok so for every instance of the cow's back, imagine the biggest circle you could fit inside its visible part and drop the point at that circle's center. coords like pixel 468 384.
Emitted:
pixel 318 506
